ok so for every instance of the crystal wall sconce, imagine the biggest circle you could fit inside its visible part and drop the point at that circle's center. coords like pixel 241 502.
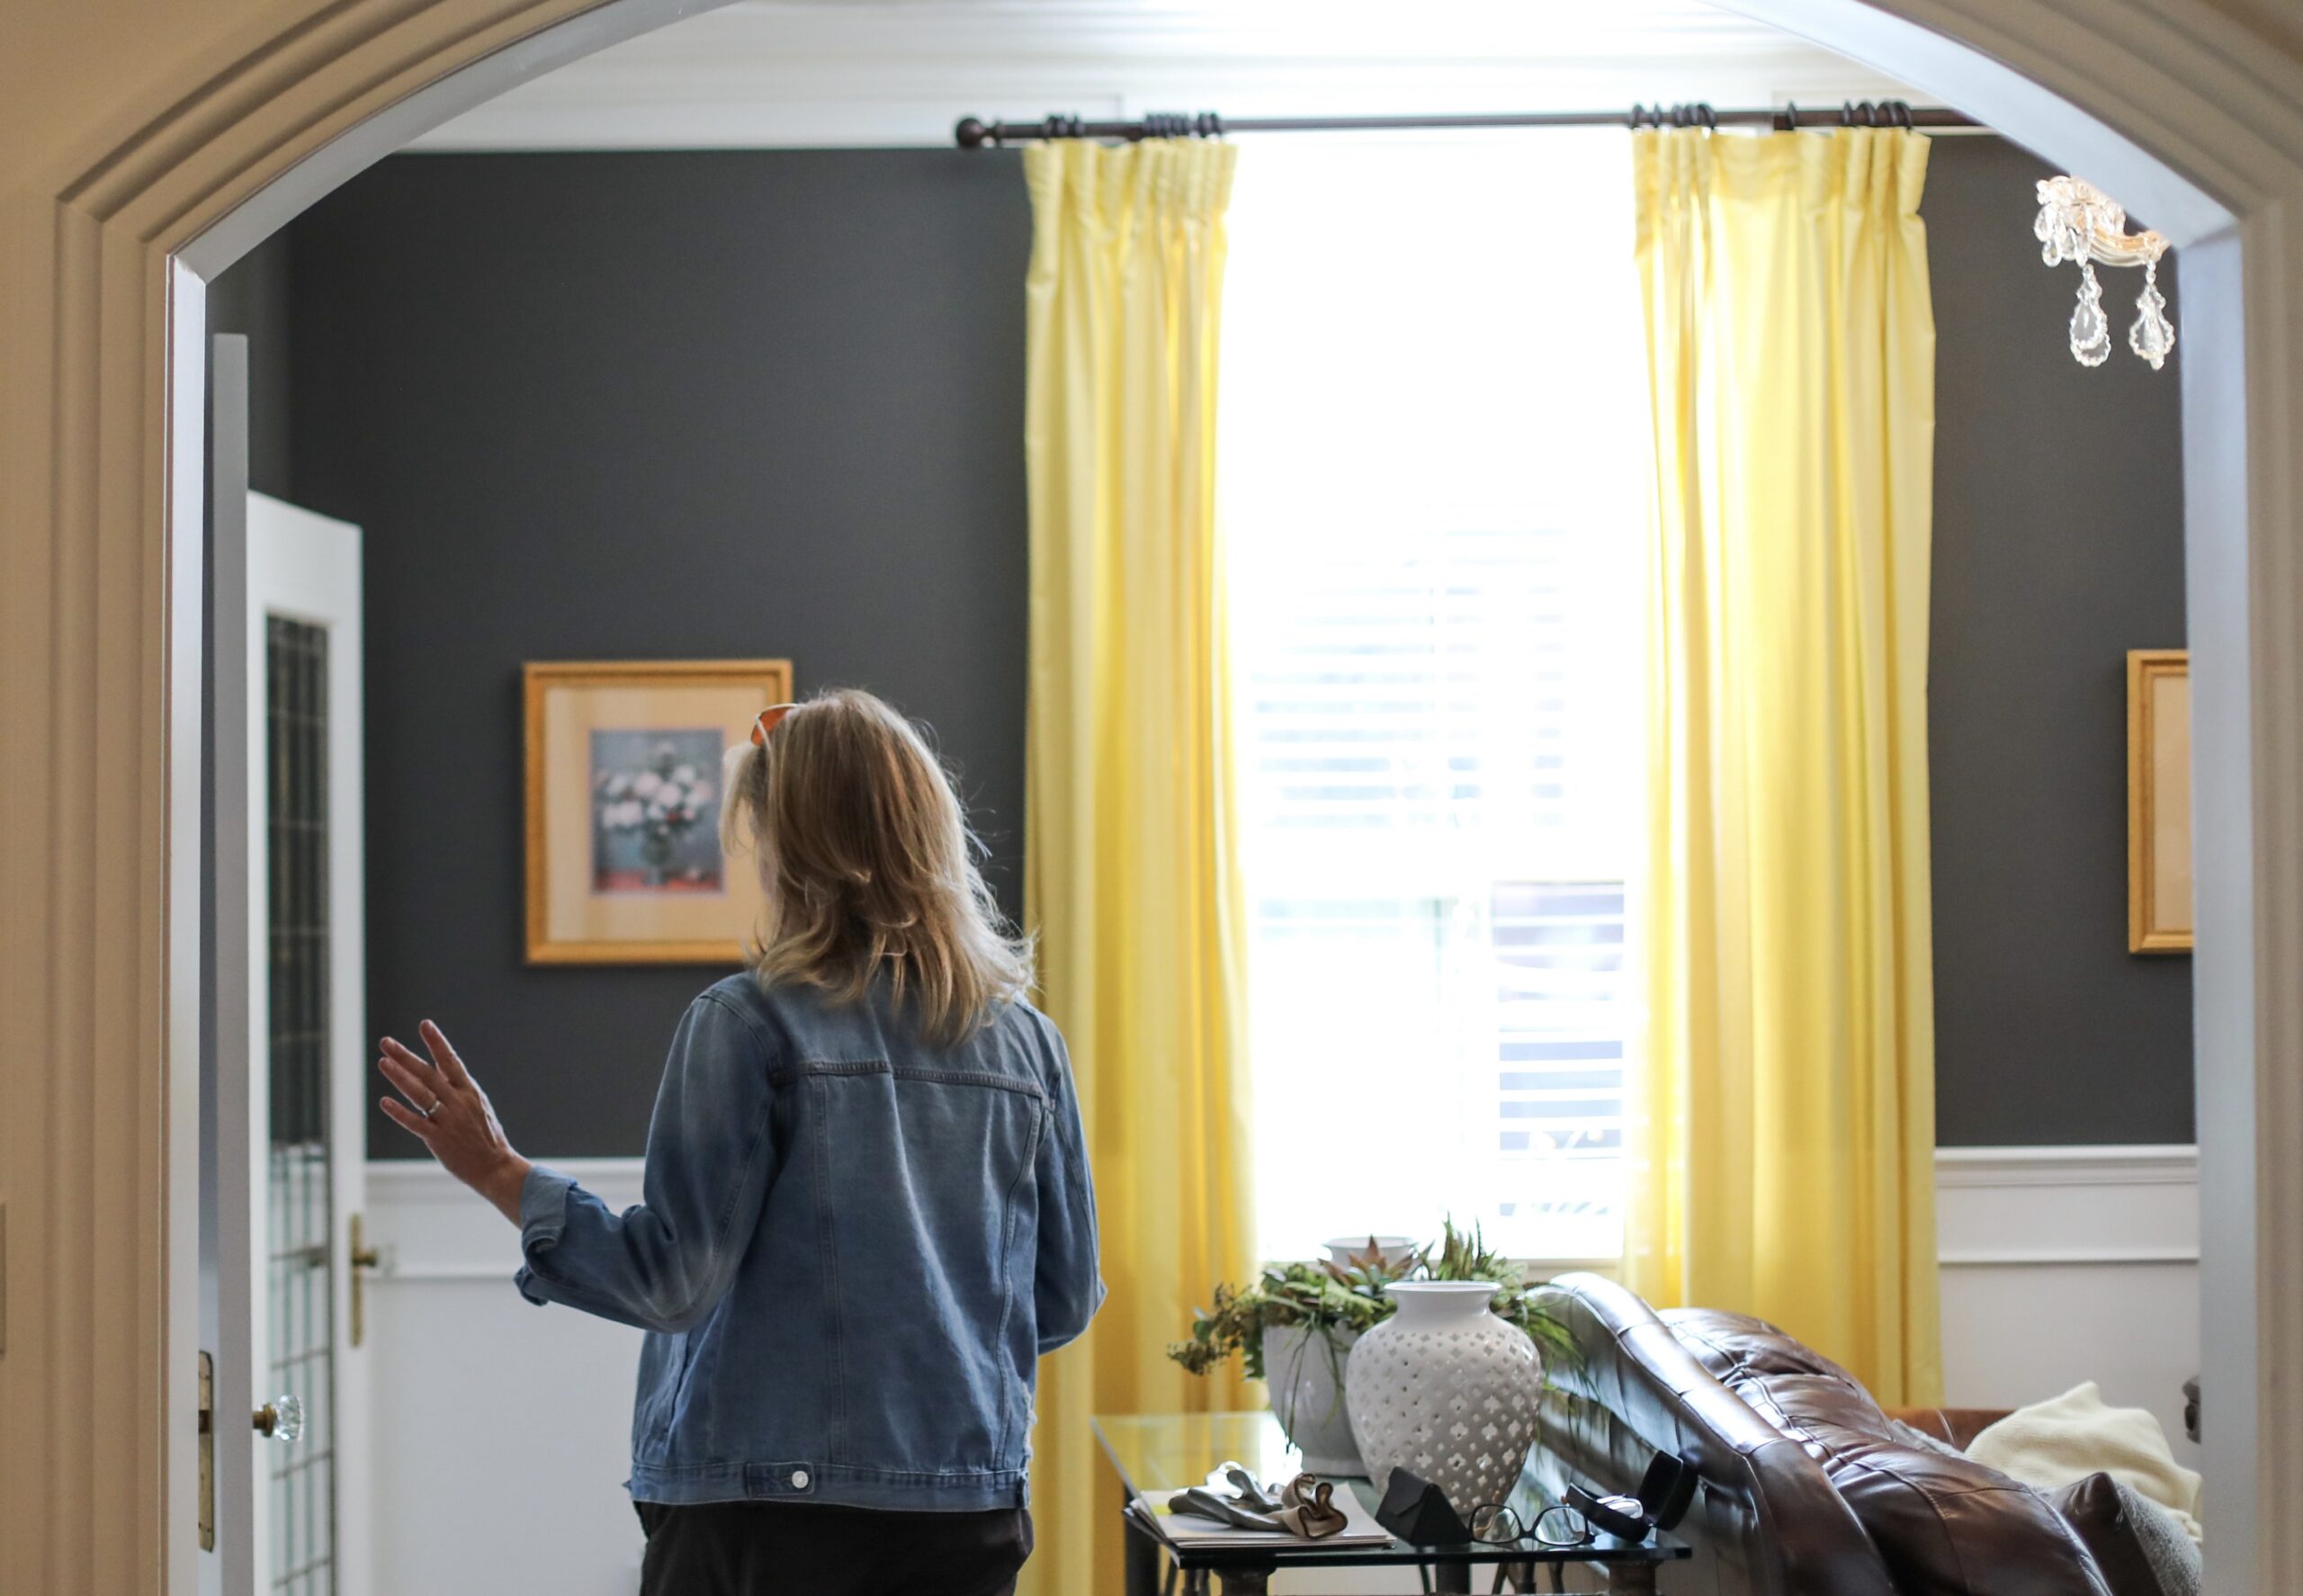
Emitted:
pixel 2078 222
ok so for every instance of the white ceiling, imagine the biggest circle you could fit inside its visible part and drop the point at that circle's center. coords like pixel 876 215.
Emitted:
pixel 901 72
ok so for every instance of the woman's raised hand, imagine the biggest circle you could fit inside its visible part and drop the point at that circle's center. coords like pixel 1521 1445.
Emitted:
pixel 447 1112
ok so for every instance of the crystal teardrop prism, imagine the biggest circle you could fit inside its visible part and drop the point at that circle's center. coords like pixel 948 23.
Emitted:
pixel 2091 334
pixel 2153 336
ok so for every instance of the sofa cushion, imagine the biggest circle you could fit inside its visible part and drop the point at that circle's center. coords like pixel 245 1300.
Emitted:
pixel 2140 1546
pixel 1944 1524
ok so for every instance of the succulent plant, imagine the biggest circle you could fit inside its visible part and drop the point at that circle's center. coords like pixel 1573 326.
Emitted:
pixel 1349 1297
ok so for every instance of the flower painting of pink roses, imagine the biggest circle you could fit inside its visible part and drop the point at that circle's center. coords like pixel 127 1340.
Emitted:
pixel 656 811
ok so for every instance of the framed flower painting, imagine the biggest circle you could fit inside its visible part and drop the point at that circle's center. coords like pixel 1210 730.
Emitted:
pixel 623 781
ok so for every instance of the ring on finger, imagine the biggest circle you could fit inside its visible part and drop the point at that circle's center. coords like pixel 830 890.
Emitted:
pixel 438 1103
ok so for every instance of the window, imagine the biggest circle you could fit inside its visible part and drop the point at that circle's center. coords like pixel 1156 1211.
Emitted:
pixel 1433 488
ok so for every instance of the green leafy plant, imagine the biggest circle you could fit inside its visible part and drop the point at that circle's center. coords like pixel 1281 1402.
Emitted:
pixel 1464 1255
pixel 1349 1298
pixel 1332 1297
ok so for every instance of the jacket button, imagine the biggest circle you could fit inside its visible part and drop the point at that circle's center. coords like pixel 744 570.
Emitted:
pixel 798 1479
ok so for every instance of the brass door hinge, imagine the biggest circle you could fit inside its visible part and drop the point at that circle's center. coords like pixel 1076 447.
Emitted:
pixel 207 1453
pixel 363 1257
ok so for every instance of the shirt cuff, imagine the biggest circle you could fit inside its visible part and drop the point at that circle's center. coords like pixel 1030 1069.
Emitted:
pixel 543 1215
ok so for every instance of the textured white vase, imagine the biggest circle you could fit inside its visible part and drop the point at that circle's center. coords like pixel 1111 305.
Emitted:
pixel 1446 1390
pixel 1304 1369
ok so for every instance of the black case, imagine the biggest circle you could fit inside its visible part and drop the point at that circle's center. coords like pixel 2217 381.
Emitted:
pixel 1417 1511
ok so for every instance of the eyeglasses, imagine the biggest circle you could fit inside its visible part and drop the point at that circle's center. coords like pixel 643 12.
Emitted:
pixel 1560 1525
pixel 1496 1525
pixel 770 720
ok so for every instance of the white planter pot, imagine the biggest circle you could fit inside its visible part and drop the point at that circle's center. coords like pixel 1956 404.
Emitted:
pixel 1303 1367
pixel 1446 1390
pixel 1396 1249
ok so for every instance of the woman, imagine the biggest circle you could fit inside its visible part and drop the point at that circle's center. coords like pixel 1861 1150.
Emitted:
pixel 868 1208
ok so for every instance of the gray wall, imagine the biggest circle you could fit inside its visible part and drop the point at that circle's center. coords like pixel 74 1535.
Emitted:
pixel 656 406
pixel 770 403
pixel 2058 547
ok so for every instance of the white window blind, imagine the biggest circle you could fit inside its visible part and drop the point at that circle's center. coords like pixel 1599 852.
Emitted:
pixel 1432 485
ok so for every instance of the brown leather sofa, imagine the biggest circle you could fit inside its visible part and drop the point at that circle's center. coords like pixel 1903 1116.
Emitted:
pixel 1807 1487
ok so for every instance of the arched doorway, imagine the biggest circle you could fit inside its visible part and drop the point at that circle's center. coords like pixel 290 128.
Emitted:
pixel 2187 115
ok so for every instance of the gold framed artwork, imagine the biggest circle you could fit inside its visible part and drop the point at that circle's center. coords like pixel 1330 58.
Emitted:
pixel 624 769
pixel 2158 801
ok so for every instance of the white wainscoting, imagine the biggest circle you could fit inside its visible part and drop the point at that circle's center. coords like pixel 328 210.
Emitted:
pixel 500 1429
pixel 2064 1264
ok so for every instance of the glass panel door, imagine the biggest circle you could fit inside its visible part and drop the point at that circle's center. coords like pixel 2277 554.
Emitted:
pixel 299 1167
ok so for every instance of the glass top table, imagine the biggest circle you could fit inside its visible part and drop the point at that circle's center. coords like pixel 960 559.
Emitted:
pixel 1169 1451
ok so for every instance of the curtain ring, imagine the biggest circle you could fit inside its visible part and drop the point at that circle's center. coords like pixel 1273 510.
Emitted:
pixel 1710 118
pixel 1790 116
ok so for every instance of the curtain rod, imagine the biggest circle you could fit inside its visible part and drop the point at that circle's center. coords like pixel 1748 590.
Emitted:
pixel 974 133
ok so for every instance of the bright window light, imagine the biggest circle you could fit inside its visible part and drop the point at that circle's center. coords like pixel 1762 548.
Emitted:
pixel 1433 478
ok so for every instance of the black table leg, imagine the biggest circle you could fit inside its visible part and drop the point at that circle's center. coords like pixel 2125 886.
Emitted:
pixel 1140 1555
pixel 1452 1577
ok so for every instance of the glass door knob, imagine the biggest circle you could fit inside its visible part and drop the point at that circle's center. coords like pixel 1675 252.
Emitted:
pixel 281 1419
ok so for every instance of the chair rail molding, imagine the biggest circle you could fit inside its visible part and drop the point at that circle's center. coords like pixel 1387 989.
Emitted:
pixel 2171 1163
pixel 2002 1208
pixel 428 1225
pixel 152 146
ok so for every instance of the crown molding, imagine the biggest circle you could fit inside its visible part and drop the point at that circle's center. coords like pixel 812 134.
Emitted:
pixel 769 74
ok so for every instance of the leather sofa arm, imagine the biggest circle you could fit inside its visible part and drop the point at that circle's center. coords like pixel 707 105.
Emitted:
pixel 1766 1521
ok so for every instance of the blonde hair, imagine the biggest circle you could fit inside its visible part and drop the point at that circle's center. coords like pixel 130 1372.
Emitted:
pixel 869 867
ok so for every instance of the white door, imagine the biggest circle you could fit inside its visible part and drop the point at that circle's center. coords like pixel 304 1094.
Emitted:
pixel 285 1128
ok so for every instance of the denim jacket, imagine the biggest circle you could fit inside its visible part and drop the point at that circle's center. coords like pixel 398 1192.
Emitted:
pixel 855 1247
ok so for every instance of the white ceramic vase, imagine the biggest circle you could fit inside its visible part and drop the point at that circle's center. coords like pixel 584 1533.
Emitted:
pixel 1303 1367
pixel 1446 1389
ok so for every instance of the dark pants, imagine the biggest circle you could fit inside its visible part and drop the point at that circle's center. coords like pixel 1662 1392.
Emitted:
pixel 808 1548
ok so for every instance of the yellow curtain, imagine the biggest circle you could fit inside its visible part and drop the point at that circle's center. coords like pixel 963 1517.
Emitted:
pixel 1131 879
pixel 1782 1137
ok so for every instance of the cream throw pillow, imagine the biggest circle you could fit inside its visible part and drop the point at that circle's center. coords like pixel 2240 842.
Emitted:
pixel 2050 1443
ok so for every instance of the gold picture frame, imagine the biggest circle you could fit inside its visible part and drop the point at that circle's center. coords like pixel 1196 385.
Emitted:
pixel 623 808
pixel 2158 801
